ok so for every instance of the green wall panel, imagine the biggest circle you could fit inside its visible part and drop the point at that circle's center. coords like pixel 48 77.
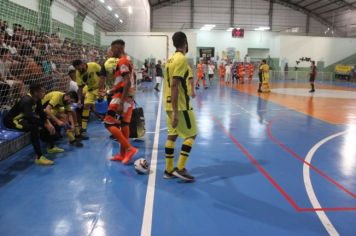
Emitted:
pixel 14 13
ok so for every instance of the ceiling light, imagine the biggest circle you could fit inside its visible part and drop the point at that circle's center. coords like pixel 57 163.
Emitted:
pixel 102 1
pixel 207 27
pixel 130 9
pixel 121 21
pixel 262 28
pixel 109 8
pixel 116 15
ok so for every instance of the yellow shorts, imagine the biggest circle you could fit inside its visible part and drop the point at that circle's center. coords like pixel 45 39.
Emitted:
pixel 90 96
pixel 187 126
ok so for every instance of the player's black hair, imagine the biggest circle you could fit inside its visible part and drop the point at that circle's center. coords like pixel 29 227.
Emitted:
pixel 264 61
pixel 179 39
pixel 73 95
pixel 35 88
pixel 313 62
pixel 118 41
pixel 77 62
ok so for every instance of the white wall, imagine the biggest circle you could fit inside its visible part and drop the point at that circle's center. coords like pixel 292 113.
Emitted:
pixel 329 50
pixel 139 20
pixel 89 25
pixel 63 12
pixel 285 47
pixel 223 40
pixel 149 44
pixel 30 4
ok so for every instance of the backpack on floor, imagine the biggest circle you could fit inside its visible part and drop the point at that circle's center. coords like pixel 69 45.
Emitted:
pixel 137 124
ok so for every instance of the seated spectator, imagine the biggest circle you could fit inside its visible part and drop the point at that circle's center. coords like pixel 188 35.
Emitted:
pixel 73 86
pixel 2 40
pixel 32 71
pixel 26 48
pixel 13 48
pixel 16 86
pixel 27 115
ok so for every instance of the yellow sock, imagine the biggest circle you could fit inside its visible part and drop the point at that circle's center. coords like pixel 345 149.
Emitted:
pixel 77 130
pixel 184 153
pixel 85 118
pixel 70 135
pixel 169 156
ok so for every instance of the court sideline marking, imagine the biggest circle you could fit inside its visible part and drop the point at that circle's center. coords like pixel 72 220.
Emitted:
pixel 309 187
pixel 148 210
pixel 296 156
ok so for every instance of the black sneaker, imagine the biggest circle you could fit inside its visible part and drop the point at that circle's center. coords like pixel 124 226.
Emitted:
pixel 168 175
pixel 259 91
pixel 312 91
pixel 76 143
pixel 82 137
pixel 183 175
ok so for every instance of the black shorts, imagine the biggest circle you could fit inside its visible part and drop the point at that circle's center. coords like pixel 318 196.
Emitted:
pixel 211 76
pixel 312 78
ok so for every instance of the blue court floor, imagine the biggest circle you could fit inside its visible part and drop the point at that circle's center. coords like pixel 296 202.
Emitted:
pixel 261 169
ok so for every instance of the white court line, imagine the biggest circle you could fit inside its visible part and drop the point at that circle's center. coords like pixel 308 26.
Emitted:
pixel 148 211
pixel 309 187
pixel 153 132
pixel 264 121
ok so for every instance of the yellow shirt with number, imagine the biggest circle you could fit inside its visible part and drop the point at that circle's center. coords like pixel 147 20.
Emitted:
pixel 177 66
pixel 90 78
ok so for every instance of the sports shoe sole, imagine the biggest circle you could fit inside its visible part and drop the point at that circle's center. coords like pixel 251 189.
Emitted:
pixel 176 174
pixel 166 176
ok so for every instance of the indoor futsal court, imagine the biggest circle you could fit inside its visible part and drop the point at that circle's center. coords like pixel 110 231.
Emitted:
pixel 184 117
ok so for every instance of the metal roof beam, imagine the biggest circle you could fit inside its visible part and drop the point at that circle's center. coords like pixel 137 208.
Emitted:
pixel 325 5
pixel 301 1
pixel 303 10
pixel 334 9
pixel 164 3
pixel 192 14
pixel 270 15
pixel 312 3
pixel 232 13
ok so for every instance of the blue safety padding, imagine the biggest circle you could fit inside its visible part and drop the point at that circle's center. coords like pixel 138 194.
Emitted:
pixel 5 133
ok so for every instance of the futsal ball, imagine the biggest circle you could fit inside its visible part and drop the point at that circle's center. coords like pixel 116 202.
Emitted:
pixel 141 166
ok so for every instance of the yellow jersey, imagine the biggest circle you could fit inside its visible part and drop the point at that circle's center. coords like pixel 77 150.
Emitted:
pixel 109 70
pixel 265 71
pixel 55 99
pixel 177 66
pixel 190 76
pixel 90 78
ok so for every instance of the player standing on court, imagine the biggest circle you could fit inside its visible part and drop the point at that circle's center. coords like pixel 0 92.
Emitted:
pixel 121 104
pixel 159 75
pixel 200 75
pixel 312 76
pixel 179 111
